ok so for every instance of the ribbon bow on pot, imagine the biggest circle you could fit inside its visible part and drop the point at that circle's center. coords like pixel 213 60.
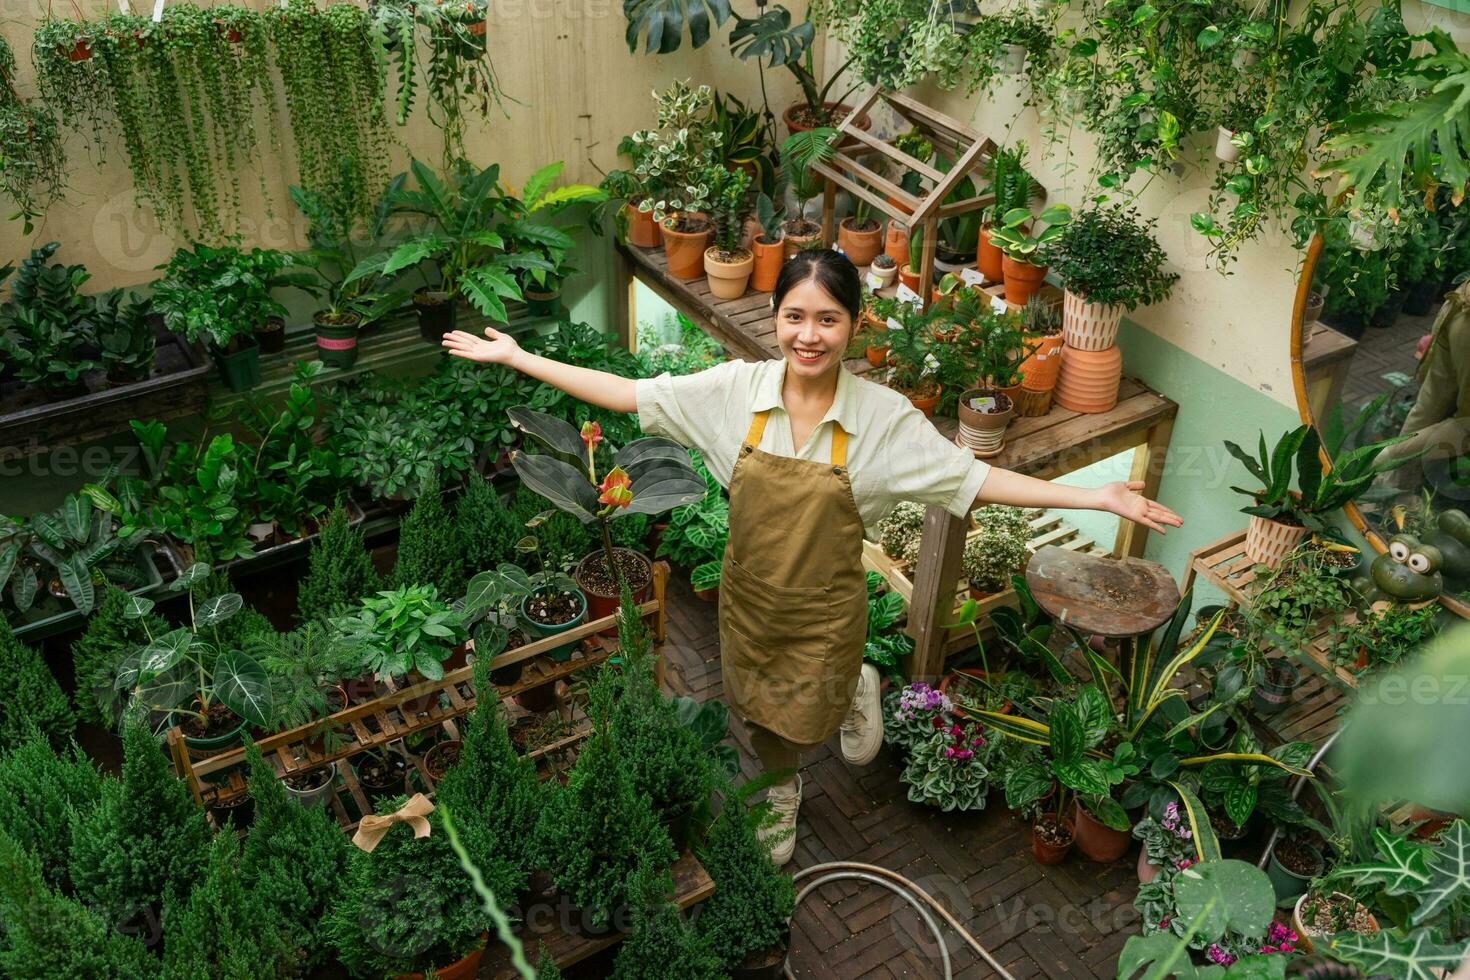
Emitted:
pixel 373 828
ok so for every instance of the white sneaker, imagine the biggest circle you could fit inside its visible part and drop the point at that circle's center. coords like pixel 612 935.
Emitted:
pixel 862 729
pixel 785 801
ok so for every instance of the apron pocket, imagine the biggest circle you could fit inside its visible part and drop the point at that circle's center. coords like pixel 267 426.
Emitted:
pixel 795 618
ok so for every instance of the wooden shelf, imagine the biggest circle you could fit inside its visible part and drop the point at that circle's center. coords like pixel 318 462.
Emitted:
pixel 1047 529
pixel 692 885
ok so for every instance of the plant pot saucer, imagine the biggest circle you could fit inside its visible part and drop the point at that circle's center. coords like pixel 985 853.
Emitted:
pixel 982 455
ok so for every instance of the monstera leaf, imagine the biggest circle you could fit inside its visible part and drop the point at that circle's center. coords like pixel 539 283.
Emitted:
pixel 662 22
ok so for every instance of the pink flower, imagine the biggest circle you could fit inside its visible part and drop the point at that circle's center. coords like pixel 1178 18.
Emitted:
pixel 1183 863
pixel 1164 922
pixel 591 434
pixel 1218 955
pixel 949 752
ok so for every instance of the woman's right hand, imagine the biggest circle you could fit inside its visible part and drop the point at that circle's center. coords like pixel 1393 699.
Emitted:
pixel 494 348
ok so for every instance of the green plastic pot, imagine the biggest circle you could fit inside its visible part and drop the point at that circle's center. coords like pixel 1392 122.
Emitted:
pixel 539 631
pixel 1287 883
pixel 336 343
pixel 201 748
pixel 240 371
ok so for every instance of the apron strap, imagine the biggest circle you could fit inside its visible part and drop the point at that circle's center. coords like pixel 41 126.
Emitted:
pixel 839 445
pixel 757 427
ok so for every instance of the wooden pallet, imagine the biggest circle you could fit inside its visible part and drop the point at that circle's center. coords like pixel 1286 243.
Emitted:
pixel 692 884
pixel 1224 564
pixel 420 708
pixel 1047 529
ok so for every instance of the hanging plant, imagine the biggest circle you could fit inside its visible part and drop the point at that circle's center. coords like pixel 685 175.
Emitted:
pixel 32 161
pixel 71 78
pixel 333 79
pixel 459 71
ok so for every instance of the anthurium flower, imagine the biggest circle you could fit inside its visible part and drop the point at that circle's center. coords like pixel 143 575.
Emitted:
pixel 617 489
pixel 591 434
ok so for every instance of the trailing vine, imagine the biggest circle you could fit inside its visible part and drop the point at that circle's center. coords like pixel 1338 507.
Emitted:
pixel 32 160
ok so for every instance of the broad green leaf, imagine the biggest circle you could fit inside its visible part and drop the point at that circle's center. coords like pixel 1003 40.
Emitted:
pixel 559 483
pixel 191 577
pixel 554 433
pixel 1413 957
pixel 214 611
pixel 242 684
pixel 76 578
pixel 1067 734
pixel 1449 872
pixel 163 653
pixel 1214 896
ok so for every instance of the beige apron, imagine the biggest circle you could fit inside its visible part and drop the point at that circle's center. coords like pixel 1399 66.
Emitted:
pixel 793 596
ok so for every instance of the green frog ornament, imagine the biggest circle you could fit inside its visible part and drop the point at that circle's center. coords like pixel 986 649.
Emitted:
pixel 1409 571
pixel 1451 535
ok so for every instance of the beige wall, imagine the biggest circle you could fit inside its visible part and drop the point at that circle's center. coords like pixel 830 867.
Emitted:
pixel 565 61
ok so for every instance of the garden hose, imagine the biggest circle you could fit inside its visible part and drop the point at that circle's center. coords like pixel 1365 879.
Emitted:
pixel 905 889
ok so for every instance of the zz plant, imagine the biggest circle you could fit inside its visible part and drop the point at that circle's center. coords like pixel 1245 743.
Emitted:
pixel 125 334
pixel 44 326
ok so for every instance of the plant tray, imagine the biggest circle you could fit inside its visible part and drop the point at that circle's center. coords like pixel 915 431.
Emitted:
pixel 30 422
pixel 692 885
pixel 41 621
pixel 272 555
pixel 381 721
pixel 1046 529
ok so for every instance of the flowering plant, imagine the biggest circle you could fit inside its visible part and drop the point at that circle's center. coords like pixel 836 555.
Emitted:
pixel 648 476
pixel 912 714
pixel 1169 842
pixel 948 769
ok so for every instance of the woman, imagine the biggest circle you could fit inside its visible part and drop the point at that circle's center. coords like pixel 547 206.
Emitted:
pixel 1437 430
pixel 811 456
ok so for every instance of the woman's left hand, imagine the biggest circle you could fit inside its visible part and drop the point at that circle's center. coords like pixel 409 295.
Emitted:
pixel 1122 498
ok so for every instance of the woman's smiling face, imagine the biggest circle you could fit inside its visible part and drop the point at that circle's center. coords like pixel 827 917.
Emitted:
pixel 812 329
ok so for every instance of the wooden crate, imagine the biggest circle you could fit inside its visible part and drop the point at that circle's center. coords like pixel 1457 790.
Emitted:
pixel 692 884
pixel 1047 529
pixel 408 711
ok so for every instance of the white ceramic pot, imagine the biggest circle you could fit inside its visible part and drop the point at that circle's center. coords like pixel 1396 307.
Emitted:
pixel 1268 542
pixel 315 797
pixel 1224 149
pixel 1011 60
pixel 1089 326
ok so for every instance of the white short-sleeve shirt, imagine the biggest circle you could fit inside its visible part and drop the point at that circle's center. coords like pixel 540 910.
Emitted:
pixel 894 453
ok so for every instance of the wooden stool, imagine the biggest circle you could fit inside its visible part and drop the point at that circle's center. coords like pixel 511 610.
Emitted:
pixel 1112 597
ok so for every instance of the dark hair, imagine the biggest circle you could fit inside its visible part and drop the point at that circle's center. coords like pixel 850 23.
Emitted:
pixel 831 270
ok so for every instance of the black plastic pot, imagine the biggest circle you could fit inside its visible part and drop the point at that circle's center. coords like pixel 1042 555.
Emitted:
pixel 240 370
pixel 272 336
pixel 1350 325
pixel 336 343
pixel 1271 696
pixel 543 304
pixel 438 313
pixel 948 256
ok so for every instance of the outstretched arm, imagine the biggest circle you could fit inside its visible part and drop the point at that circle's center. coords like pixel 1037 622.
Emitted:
pixel 1121 498
pixel 599 388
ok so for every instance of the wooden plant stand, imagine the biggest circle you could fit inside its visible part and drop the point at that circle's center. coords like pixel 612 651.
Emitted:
pixel 429 705
pixel 692 885
pixel 1046 529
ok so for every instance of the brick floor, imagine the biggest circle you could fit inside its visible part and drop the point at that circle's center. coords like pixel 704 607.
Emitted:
pixel 1061 923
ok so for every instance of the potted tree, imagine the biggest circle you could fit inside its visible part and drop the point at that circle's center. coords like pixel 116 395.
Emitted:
pixel 798 153
pixel 860 234
pixel 1276 526
pixel 350 306
pixel 673 165
pixel 916 357
pixel 625 191
pixel 1023 266
pixel 1110 263
pixel 769 246
pixel 648 476
pixel 551 604
pixel 727 265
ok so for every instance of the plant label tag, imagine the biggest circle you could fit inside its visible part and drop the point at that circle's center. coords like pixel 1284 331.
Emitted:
pixel 893 324
pixel 972 277
pixel 907 295
pixel 984 405
pixel 931 363
pixel 874 282
pixel 998 304
pixel 157 11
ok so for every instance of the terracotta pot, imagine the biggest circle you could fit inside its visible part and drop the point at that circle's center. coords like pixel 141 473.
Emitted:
pixel 642 229
pixel 980 432
pixel 796 243
pixel 1098 841
pixel 908 278
pixel 1088 381
pixel 1315 303
pixel 926 404
pixel 1268 542
pixel 838 110
pixel 896 243
pixel 464 968
pixel 1304 943
pixel 1051 853
pixel 1089 326
pixel 1033 404
pixel 859 246
pixel 768 262
pixel 727 279
pixel 685 250
pixel 877 356
pixel 989 257
pixel 599 605
pixel 1147 870
pixel 708 595
pixel 1022 279
pixel 885 276
pixel 1039 370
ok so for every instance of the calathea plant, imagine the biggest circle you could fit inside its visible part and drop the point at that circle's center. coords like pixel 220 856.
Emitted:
pixel 43 325
pixel 185 674
pixel 70 545
pixel 648 476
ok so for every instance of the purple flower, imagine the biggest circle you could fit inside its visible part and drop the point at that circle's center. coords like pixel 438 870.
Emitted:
pixel 949 752
pixel 1217 955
